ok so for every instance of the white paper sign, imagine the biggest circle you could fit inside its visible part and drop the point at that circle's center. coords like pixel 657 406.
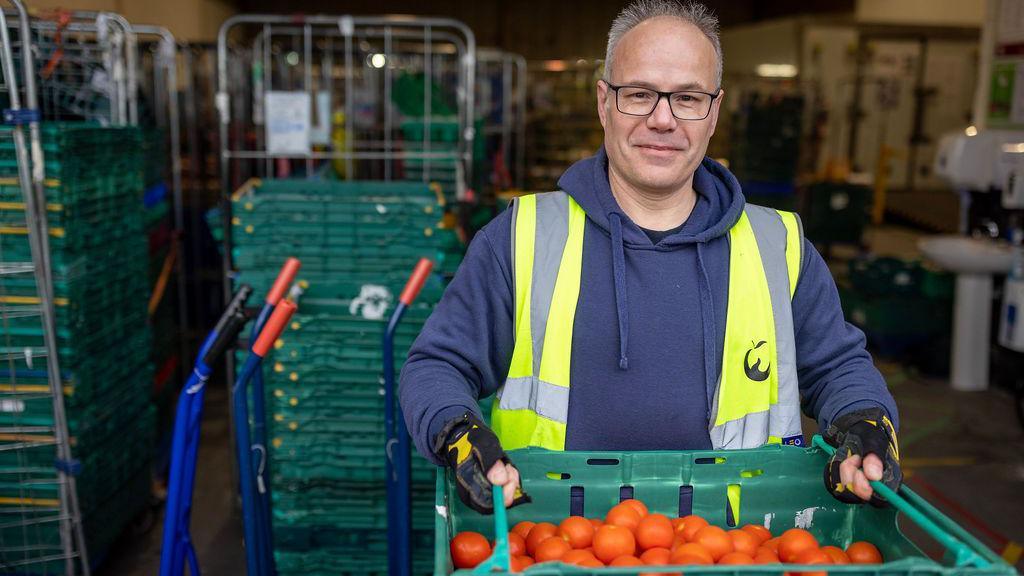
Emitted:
pixel 289 117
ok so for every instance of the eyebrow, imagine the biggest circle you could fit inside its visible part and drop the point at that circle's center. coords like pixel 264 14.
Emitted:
pixel 677 88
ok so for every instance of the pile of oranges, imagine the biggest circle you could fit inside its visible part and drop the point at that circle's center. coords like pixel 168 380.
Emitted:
pixel 632 536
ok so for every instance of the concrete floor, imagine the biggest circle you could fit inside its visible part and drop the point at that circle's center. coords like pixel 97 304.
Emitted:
pixel 216 520
pixel 961 451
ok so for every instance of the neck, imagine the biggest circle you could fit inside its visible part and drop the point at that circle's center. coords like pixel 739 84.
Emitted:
pixel 653 210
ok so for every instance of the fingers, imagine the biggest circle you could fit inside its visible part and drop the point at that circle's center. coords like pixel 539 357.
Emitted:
pixel 848 469
pixel 873 467
pixel 512 485
pixel 498 474
pixel 854 478
pixel 861 487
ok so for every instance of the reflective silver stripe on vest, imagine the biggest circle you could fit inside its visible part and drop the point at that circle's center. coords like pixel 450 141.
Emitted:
pixel 532 393
pixel 782 420
pixel 546 399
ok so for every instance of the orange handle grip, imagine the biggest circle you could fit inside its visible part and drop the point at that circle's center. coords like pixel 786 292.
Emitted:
pixel 274 326
pixel 284 280
pixel 416 281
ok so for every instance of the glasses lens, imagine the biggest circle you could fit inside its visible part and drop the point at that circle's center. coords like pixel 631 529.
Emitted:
pixel 690 105
pixel 638 101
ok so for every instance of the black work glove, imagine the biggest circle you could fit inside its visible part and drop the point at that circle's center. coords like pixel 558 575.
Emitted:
pixel 861 433
pixel 470 448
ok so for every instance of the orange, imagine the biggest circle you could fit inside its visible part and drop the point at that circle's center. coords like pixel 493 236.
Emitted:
pixel 516 544
pixel 576 556
pixel 623 515
pixel 736 558
pixel 863 553
pixel 656 556
pixel 813 556
pixel 523 528
pixel 592 563
pixel 793 542
pixel 760 532
pixel 837 555
pixel 597 522
pixel 469 549
pixel 612 541
pixel 551 549
pixel 765 555
pixel 626 561
pixel 654 531
pixel 520 563
pixel 539 533
pixel 715 540
pixel 637 505
pixel 577 531
pixel 772 544
pixel 690 525
pixel 743 541
pixel 691 553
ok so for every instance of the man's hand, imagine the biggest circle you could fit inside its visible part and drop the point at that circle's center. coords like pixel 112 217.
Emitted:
pixel 866 449
pixel 470 448
pixel 507 476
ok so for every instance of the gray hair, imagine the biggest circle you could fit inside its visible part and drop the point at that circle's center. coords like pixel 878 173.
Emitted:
pixel 640 10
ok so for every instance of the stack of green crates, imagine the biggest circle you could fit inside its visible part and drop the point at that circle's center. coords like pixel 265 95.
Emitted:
pixel 903 307
pixel 98 250
pixel 358 243
pixel 157 202
pixel 443 139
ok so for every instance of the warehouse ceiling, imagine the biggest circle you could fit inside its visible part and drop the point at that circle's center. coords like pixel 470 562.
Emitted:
pixel 543 29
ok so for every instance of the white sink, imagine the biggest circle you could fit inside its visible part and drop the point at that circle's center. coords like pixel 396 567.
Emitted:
pixel 975 261
pixel 964 255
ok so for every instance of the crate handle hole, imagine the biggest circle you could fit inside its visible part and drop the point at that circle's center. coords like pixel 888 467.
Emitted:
pixel 576 501
pixel 603 461
pixel 625 493
pixel 559 475
pixel 751 473
pixel 732 505
pixel 685 501
pixel 716 460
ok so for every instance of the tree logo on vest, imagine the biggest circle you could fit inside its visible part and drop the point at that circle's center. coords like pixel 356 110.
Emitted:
pixel 754 372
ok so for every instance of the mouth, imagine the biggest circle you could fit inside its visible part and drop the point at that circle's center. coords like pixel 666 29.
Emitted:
pixel 658 149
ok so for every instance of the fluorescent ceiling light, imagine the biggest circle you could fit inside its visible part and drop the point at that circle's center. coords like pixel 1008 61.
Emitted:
pixel 776 70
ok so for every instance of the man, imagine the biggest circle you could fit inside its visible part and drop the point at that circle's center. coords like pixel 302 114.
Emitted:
pixel 645 306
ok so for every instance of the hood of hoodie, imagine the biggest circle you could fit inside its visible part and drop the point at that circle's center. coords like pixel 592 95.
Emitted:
pixel 719 202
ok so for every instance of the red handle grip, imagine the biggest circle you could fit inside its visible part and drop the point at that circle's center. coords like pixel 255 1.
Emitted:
pixel 416 280
pixel 284 280
pixel 273 328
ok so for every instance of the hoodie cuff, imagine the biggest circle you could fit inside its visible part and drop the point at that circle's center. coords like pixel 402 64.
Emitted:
pixel 855 406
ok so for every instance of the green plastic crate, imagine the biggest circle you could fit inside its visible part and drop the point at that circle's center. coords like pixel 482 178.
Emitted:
pixel 776 486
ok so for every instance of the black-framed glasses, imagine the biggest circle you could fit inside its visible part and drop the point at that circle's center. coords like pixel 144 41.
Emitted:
pixel 685 104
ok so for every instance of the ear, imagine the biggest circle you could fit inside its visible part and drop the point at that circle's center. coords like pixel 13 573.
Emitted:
pixel 602 101
pixel 715 107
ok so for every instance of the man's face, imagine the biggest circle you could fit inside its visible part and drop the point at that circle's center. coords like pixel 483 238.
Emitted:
pixel 659 153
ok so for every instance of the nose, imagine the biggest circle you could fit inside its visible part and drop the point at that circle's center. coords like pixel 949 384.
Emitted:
pixel 662 119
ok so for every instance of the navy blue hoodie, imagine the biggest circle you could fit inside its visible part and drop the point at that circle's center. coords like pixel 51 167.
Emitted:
pixel 648 332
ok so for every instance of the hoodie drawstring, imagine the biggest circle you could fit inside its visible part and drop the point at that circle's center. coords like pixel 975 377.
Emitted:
pixel 619 274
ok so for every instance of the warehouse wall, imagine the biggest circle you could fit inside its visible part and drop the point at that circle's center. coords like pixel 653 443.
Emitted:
pixel 189 20
pixel 922 12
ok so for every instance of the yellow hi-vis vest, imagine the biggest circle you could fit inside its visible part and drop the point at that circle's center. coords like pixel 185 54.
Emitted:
pixel 757 400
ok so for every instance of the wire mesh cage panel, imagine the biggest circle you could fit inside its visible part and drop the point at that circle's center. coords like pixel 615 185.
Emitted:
pixel 501 106
pixel 368 98
pixel 40 521
pixel 85 65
